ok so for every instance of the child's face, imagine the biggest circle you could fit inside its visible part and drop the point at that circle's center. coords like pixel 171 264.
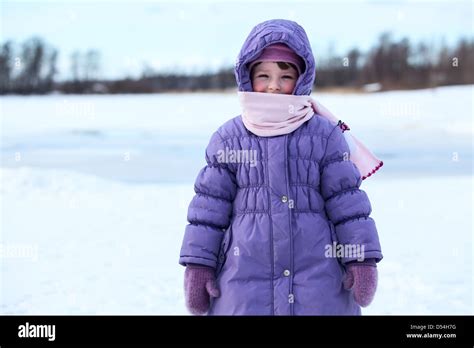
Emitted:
pixel 267 77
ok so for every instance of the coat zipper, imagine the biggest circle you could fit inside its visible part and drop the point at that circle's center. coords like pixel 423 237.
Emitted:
pixel 272 285
pixel 290 204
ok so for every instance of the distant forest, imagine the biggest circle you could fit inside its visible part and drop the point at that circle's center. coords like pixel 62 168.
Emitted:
pixel 31 68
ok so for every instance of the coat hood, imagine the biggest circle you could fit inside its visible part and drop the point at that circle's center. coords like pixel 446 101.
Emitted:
pixel 271 32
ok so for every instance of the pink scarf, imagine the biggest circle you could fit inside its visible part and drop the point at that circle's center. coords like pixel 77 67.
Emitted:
pixel 268 114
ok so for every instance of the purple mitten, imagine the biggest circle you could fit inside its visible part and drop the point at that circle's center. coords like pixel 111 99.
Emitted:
pixel 362 279
pixel 199 284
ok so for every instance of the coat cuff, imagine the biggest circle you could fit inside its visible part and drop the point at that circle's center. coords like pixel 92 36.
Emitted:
pixel 366 262
pixel 201 245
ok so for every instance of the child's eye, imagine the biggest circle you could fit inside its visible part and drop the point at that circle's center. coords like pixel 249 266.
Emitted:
pixel 262 75
pixel 288 77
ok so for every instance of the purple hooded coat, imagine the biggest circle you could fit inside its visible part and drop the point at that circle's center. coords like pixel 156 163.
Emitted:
pixel 265 225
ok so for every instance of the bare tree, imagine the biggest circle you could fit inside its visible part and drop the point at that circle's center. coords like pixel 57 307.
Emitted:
pixel 75 64
pixel 5 67
pixel 91 65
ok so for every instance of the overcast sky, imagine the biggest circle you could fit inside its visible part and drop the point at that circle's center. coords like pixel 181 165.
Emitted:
pixel 201 35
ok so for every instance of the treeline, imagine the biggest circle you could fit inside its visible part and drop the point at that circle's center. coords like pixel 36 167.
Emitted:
pixel 29 69
pixel 400 65
pixel 32 69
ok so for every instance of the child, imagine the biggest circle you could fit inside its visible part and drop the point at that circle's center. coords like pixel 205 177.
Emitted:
pixel 278 225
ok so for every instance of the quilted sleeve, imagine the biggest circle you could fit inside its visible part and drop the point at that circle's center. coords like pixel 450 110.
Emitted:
pixel 347 206
pixel 210 210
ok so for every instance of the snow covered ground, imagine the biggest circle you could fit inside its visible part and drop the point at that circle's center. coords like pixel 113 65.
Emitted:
pixel 94 192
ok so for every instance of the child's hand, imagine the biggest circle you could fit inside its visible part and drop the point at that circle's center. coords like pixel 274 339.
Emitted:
pixel 362 279
pixel 199 284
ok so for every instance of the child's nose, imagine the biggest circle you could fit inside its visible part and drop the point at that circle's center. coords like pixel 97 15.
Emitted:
pixel 274 85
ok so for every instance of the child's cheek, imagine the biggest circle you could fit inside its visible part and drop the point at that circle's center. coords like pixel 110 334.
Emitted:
pixel 289 87
pixel 258 86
